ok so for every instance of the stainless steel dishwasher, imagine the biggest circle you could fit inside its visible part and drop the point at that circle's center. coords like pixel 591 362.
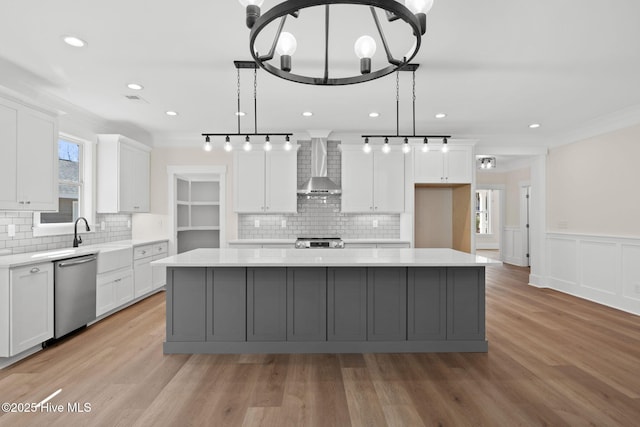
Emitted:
pixel 74 293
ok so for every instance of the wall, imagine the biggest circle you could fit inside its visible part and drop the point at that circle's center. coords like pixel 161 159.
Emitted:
pixel 593 234
pixel 592 185
pixel 511 180
pixel 434 217
pixel 319 217
pixel 116 228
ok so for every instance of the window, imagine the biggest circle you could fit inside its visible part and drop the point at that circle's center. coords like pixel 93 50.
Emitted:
pixel 483 211
pixel 69 184
pixel 75 168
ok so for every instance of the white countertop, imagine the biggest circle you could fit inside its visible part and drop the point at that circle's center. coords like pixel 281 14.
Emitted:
pixel 9 261
pixel 365 257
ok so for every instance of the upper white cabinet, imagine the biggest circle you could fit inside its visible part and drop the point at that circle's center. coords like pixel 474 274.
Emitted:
pixel 372 182
pixel 453 167
pixel 265 182
pixel 29 161
pixel 123 175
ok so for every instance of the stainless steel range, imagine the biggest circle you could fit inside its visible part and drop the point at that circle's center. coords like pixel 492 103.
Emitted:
pixel 319 242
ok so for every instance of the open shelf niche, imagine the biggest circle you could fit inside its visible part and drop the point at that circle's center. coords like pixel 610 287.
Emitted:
pixel 198 212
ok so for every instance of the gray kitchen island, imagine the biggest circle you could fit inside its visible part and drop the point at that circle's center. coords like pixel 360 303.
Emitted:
pixel 325 301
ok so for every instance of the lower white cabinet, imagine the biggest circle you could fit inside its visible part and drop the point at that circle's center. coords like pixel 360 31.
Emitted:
pixel 113 290
pixel 142 276
pixel 31 306
pixel 158 275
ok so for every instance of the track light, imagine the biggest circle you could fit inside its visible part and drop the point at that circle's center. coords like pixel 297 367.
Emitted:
pixel 287 143
pixel 227 145
pixel 425 146
pixel 367 147
pixel 207 144
pixel 445 147
pixel 267 143
pixel 247 144
pixel 385 148
pixel 406 148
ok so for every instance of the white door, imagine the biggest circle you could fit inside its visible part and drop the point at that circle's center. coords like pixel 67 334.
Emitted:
pixel 281 181
pixel 357 181
pixel 249 181
pixel 388 182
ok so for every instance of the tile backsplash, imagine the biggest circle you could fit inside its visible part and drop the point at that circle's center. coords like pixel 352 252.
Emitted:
pixel 319 217
pixel 116 228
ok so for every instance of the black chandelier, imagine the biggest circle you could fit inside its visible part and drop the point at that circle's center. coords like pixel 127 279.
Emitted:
pixel 412 12
pixel 208 145
pixel 405 137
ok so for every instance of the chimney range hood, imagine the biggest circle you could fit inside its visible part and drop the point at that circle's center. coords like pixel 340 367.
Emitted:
pixel 319 184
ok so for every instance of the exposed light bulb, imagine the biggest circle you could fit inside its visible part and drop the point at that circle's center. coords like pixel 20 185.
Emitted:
pixel 425 146
pixel 207 145
pixel 419 6
pixel 385 148
pixel 445 147
pixel 227 146
pixel 247 145
pixel 246 3
pixel 365 47
pixel 267 146
pixel 287 44
pixel 366 148
pixel 406 148
pixel 287 145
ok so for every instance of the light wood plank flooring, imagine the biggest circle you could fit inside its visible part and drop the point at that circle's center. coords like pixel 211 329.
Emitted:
pixel 553 360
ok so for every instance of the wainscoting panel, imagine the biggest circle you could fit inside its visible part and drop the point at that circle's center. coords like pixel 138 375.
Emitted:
pixel 603 269
pixel 513 251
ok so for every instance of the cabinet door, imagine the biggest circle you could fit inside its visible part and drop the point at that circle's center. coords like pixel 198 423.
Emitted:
pixel 388 182
pixel 105 295
pixel 347 304
pixel 428 167
pixel 387 304
pixel 357 185
pixel 8 159
pixel 248 185
pixel 142 280
pixel 266 304
pixel 281 181
pixel 31 306
pixel 123 288
pixel 141 181
pixel 186 304
pixel 226 304
pixel 465 303
pixel 459 165
pixel 37 160
pixel 427 304
pixel 307 304
pixel 126 179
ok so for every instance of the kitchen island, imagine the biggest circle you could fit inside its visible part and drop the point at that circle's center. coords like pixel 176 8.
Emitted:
pixel 325 301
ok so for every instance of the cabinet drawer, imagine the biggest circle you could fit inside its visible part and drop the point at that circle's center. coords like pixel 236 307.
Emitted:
pixel 160 248
pixel 140 252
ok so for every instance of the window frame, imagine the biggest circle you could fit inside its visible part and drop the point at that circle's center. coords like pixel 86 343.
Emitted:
pixel 86 206
pixel 487 211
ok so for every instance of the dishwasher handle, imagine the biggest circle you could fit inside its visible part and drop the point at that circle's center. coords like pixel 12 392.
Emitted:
pixel 76 262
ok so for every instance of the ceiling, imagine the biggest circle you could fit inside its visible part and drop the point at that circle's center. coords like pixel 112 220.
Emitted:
pixel 493 67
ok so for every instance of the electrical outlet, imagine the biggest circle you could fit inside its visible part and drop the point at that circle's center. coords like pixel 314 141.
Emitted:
pixel 375 223
pixel 11 230
pixel 128 223
pixel 283 223
pixel 256 223
pixel 103 226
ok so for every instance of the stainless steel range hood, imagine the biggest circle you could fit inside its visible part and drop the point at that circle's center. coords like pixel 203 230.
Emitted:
pixel 319 184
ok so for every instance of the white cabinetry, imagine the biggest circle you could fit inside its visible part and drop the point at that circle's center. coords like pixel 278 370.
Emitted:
pixel 265 182
pixel 29 161
pixel 123 175
pixel 114 287
pixel 158 274
pixel 30 306
pixel 142 276
pixel 372 182
pixel 436 167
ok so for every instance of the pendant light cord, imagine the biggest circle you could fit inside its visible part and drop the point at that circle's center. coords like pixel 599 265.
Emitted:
pixel 238 110
pixel 414 103
pixel 255 100
pixel 397 103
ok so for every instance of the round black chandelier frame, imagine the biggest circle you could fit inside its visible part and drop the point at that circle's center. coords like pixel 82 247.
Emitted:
pixel 293 7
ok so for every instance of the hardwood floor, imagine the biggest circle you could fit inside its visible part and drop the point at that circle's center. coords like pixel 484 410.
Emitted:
pixel 553 360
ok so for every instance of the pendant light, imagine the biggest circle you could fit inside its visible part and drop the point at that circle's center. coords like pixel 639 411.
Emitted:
pixel 365 48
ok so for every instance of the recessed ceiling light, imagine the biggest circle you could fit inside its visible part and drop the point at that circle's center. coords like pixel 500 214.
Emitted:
pixel 441 116
pixel 307 114
pixel 374 114
pixel 534 125
pixel 240 113
pixel 135 86
pixel 74 41
pixel 171 113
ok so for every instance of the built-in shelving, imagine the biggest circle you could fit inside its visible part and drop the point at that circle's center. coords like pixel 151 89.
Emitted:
pixel 197 213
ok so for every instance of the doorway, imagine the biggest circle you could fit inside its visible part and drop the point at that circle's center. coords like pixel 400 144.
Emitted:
pixel 489 218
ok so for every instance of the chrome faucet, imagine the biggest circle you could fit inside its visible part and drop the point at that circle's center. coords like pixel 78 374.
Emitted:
pixel 77 239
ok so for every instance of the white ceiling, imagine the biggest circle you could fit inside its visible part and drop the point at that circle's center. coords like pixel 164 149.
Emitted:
pixel 493 66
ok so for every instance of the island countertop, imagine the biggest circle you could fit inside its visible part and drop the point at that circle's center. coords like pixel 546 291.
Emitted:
pixel 365 257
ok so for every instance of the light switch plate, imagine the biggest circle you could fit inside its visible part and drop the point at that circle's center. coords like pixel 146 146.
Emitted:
pixel 283 223
pixel 375 223
pixel 128 223
pixel 256 223
pixel 11 230
pixel 103 226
